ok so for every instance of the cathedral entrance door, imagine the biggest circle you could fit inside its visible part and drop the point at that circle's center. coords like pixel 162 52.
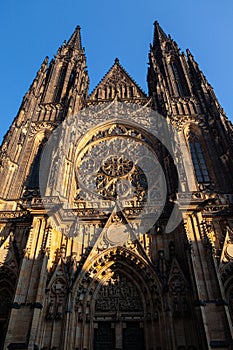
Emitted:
pixel 122 336
pixel 104 337
pixel 133 336
pixel 119 315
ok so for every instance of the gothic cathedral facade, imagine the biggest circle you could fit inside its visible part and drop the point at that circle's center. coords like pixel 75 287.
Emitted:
pixel 127 274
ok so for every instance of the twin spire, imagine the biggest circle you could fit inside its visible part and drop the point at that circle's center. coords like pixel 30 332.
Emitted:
pixel 117 81
pixel 159 36
pixel 75 39
pixel 76 43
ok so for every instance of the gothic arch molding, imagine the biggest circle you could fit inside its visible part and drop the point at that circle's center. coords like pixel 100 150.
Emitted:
pixel 101 262
pixel 37 143
pixel 127 127
pixel 118 268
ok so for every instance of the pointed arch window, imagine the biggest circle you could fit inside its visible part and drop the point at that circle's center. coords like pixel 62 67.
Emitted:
pixel 198 159
pixel 35 168
pixel 60 83
pixel 71 80
pixel 179 80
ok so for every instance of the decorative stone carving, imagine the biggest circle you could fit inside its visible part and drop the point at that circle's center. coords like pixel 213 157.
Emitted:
pixel 117 82
pixel 118 294
pixel 41 126
pixel 110 169
pixel 12 215
pixel 57 299
pixel 178 291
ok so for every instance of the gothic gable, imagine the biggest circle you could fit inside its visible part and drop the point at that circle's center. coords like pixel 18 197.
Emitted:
pixel 117 82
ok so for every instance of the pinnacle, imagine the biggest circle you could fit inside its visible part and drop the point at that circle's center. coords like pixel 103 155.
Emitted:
pixel 46 59
pixel 75 40
pixel 190 56
pixel 44 64
pixel 189 52
pixel 159 34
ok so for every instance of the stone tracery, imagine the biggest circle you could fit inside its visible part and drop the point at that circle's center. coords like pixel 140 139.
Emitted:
pixel 109 165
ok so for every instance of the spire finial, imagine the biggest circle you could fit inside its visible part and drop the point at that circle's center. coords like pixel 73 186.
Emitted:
pixel 75 40
pixel 159 34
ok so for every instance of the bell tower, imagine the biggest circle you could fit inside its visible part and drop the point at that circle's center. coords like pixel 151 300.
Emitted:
pixel 182 94
pixel 58 91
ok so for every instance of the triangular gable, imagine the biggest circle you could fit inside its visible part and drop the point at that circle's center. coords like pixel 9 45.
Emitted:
pixel 117 82
pixel 176 277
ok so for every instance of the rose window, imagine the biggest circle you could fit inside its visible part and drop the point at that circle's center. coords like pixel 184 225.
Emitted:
pixel 120 178
pixel 116 167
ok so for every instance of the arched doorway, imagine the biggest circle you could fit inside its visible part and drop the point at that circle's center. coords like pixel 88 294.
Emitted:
pixel 118 304
pixel 119 314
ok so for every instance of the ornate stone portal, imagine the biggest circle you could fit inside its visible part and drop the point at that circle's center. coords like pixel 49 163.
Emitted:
pixel 117 234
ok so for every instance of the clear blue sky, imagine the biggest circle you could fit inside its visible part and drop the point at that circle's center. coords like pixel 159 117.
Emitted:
pixel 30 30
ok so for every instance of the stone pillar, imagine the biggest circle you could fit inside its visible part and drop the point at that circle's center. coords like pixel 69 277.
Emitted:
pixel 218 331
pixel 25 314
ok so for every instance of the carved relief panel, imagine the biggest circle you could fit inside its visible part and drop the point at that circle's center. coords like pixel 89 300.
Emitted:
pixel 118 294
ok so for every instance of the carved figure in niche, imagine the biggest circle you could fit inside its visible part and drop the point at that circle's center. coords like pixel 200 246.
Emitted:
pixel 162 265
pixel 50 311
pixel 56 300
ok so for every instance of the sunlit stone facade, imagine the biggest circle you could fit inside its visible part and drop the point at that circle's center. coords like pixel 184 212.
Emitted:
pixel 126 274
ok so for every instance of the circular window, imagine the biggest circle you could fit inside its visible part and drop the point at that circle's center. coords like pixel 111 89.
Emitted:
pixel 117 166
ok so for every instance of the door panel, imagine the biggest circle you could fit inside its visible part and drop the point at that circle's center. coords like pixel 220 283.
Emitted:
pixel 133 337
pixel 104 337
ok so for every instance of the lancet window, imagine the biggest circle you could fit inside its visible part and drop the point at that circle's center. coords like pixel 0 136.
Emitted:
pixel 60 83
pixel 198 159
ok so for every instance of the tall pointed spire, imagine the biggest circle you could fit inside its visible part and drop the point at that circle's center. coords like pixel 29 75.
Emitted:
pixel 75 40
pixel 159 34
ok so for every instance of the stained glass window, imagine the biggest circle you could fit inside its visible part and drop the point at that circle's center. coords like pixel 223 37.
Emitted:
pixel 199 162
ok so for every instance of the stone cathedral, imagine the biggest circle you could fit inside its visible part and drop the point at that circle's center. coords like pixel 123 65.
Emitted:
pixel 130 273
